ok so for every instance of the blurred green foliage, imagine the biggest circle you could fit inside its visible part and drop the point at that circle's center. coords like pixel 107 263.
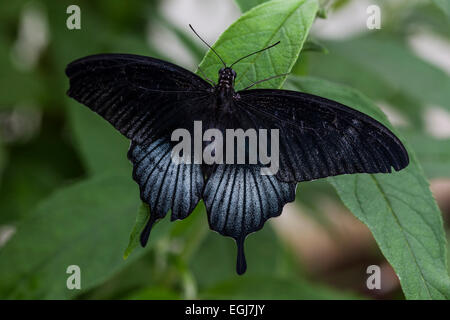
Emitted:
pixel 65 181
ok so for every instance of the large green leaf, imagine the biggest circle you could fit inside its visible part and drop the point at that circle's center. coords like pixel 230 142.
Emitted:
pixel 287 21
pixel 398 208
pixel 86 224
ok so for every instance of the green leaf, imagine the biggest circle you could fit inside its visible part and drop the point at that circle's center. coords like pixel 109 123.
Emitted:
pixel 246 5
pixel 17 86
pixel 433 154
pixel 398 208
pixel 34 170
pixel 264 252
pixel 314 46
pixel 287 21
pixel 85 224
pixel 145 271
pixel 271 287
pixel 405 221
pixel 429 16
pixel 102 148
pixel 141 220
pixel 272 271
pixel 383 67
pixel 444 5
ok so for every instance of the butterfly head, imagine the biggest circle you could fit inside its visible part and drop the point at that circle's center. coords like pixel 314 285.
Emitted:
pixel 227 77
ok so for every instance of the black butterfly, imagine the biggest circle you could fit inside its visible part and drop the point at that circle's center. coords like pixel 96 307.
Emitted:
pixel 146 99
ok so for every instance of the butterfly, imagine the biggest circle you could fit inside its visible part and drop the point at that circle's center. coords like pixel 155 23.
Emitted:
pixel 146 99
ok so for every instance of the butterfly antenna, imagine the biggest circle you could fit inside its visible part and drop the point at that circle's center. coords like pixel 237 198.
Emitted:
pixel 190 26
pixel 271 46
pixel 267 79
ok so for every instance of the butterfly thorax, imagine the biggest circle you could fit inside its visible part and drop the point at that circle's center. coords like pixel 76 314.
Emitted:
pixel 225 89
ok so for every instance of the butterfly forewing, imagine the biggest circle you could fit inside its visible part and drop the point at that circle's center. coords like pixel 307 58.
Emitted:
pixel 320 137
pixel 142 97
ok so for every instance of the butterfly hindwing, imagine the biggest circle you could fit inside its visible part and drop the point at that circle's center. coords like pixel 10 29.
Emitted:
pixel 239 200
pixel 142 97
pixel 163 183
pixel 320 137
